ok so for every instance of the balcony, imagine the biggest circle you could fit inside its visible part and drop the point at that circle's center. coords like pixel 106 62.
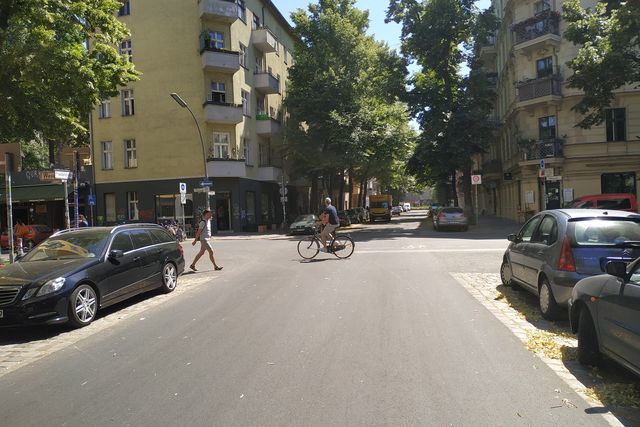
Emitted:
pixel 538 32
pixel 266 83
pixel 267 126
pixel 492 80
pixel 218 60
pixel 219 10
pixel 222 113
pixel 269 174
pixel 264 40
pixel 488 50
pixel 543 90
pixel 543 149
pixel 226 168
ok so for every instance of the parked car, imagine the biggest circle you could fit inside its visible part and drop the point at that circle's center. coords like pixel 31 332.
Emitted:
pixel 353 215
pixel 36 234
pixel 406 206
pixel 304 224
pixel 604 311
pixel 396 210
pixel 344 219
pixel 556 248
pixel 450 217
pixel 74 273
pixel 363 214
pixel 618 201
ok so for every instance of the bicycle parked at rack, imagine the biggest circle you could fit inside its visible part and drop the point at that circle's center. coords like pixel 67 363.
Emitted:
pixel 341 245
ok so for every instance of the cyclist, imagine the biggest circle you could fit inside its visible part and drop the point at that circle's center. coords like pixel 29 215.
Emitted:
pixel 330 220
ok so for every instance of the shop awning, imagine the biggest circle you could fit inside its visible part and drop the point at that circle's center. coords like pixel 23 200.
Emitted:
pixel 35 193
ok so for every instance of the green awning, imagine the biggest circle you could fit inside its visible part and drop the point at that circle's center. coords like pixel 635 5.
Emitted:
pixel 35 193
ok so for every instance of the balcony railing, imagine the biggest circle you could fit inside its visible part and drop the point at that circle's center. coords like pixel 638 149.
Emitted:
pixel 543 149
pixel 221 112
pixel 266 83
pixel 546 22
pixel 537 88
pixel 264 40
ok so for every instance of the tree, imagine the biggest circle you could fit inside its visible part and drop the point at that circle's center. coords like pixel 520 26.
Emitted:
pixel 609 56
pixel 343 89
pixel 50 79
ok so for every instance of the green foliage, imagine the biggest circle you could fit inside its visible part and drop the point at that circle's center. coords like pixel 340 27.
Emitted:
pixel 343 97
pixel 35 155
pixel 609 56
pixel 50 79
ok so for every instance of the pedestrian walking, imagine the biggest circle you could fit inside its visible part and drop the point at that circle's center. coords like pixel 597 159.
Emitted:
pixel 203 234
pixel 82 221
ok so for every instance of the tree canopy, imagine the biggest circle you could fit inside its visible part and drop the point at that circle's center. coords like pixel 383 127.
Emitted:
pixel 50 79
pixel 609 56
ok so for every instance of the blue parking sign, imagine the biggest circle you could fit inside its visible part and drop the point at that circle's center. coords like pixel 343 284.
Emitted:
pixel 92 200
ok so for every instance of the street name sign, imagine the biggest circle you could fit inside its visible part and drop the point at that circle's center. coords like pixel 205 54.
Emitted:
pixel 62 174
pixel 206 184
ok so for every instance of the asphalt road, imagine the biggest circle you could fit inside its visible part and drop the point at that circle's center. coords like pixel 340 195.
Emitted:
pixel 387 337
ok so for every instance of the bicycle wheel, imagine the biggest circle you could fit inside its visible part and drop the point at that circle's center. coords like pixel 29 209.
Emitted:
pixel 308 248
pixel 343 246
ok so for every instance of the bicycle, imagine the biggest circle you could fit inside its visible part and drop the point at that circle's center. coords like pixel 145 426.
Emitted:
pixel 341 245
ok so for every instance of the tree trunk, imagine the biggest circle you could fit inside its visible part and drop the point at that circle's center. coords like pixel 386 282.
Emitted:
pixel 52 153
pixel 313 197
pixel 454 190
pixel 341 191
pixel 469 202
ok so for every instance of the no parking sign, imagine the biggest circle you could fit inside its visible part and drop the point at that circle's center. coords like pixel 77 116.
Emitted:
pixel 476 179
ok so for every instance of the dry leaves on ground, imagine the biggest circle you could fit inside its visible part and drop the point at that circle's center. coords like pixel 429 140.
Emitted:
pixel 617 394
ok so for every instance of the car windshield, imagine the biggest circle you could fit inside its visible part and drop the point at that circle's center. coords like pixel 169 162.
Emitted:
pixel 607 232
pixel 76 244
pixel 379 205
pixel 453 210
pixel 301 218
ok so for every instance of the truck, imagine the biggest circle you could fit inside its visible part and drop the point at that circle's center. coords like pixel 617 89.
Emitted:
pixel 380 207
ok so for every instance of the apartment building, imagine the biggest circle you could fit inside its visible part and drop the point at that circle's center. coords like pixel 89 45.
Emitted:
pixel 540 159
pixel 228 61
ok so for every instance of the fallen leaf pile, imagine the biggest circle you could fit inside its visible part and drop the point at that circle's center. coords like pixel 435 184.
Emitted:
pixel 616 394
pixel 549 345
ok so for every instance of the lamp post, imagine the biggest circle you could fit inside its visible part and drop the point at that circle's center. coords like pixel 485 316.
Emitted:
pixel 183 104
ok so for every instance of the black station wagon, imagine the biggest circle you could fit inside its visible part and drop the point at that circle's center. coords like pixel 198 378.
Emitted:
pixel 73 273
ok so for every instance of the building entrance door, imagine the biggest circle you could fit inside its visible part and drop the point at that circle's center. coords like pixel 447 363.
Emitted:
pixel 552 189
pixel 223 211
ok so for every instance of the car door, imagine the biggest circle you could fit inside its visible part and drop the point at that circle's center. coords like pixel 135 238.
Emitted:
pixel 619 318
pixel 124 273
pixel 150 256
pixel 540 250
pixel 518 251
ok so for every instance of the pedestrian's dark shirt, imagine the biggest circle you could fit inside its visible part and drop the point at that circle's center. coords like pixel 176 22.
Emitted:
pixel 333 215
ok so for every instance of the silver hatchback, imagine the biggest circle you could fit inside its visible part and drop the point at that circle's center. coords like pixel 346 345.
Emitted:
pixel 450 217
pixel 557 248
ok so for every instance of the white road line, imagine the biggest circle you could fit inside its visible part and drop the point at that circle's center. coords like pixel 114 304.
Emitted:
pixel 417 251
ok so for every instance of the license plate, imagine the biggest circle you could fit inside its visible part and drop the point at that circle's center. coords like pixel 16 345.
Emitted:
pixel 1 314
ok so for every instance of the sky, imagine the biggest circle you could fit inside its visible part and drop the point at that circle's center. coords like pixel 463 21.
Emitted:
pixel 377 13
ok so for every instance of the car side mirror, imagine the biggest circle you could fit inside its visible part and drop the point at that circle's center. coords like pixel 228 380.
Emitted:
pixel 512 238
pixel 115 254
pixel 617 268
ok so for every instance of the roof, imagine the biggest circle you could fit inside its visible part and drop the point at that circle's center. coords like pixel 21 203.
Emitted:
pixel 591 213
pixel 280 17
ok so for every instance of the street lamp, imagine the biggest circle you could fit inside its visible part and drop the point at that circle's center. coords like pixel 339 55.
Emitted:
pixel 183 104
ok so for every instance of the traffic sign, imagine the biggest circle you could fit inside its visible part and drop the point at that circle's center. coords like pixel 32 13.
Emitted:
pixel 91 200
pixel 541 164
pixel 206 184
pixel 183 187
pixel 183 198
pixel 283 191
pixel 476 179
pixel 283 199
pixel 62 174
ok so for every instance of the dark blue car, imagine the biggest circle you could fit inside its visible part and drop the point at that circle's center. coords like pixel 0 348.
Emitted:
pixel 557 248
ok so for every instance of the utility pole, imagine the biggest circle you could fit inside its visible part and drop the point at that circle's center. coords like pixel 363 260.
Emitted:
pixel 8 166
pixel 76 169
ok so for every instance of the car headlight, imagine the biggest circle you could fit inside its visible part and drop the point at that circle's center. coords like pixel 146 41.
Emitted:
pixel 51 286
pixel 29 293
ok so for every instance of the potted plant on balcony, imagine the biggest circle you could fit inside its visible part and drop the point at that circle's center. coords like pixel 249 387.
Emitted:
pixel 527 146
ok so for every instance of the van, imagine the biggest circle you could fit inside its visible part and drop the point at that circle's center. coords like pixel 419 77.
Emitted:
pixel 406 206
pixel 380 207
pixel 618 201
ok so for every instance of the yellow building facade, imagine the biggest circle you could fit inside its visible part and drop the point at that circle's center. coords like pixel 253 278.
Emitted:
pixel 228 61
pixel 536 126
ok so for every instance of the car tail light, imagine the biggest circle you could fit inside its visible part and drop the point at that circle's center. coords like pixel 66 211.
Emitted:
pixel 566 261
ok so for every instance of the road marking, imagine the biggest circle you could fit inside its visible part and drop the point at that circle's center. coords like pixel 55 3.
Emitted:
pixel 482 286
pixel 418 251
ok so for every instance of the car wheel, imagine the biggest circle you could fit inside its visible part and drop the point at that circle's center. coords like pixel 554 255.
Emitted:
pixel 169 277
pixel 83 306
pixel 588 350
pixel 505 273
pixel 548 305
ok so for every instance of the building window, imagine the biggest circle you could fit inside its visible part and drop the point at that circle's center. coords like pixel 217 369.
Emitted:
pixel 104 110
pixel 107 155
pixel 110 207
pixel 544 67
pixel 125 49
pixel 242 11
pixel 255 23
pixel 247 152
pixel 277 48
pixel 541 6
pixel 127 103
pixel 125 9
pixel 616 124
pixel 260 62
pixel 547 127
pixel 132 205
pixel 246 109
pixel 218 93
pixel 264 151
pixel 620 182
pixel 130 154
pixel 286 55
pixel 244 56
pixel 260 109
pixel 221 145
pixel 216 39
